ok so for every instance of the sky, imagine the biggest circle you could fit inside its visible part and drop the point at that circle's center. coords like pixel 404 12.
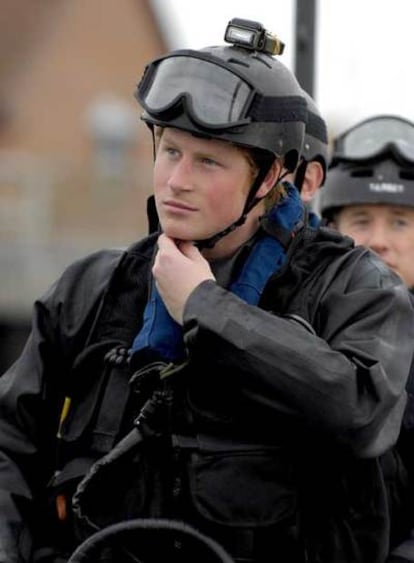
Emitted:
pixel 364 48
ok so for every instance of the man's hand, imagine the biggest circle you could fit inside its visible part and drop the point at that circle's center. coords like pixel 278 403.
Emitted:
pixel 178 269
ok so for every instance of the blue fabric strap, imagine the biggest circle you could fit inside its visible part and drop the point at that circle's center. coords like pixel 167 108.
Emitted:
pixel 314 220
pixel 161 337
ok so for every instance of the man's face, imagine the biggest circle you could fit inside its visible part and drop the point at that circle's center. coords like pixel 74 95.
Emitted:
pixel 386 229
pixel 200 185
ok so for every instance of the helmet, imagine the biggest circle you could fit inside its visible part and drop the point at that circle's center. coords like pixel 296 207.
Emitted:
pixel 238 93
pixel 372 163
pixel 315 146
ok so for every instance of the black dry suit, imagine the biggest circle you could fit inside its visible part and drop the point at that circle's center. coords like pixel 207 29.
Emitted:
pixel 401 460
pixel 267 440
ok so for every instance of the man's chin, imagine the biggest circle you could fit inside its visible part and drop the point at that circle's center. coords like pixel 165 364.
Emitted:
pixel 180 232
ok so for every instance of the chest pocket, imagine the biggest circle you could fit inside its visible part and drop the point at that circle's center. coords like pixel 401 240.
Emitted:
pixel 241 485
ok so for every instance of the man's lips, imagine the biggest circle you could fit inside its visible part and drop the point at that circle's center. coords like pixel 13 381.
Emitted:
pixel 178 205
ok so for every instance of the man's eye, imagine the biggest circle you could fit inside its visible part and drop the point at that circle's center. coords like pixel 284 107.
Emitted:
pixel 399 223
pixel 210 161
pixel 360 223
pixel 171 151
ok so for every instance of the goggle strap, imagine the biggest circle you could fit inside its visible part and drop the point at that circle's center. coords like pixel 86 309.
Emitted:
pixel 278 109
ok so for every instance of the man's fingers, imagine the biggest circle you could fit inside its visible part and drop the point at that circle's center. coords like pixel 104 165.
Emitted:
pixel 189 250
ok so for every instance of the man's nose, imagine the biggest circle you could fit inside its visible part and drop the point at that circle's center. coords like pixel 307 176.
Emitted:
pixel 181 175
pixel 378 239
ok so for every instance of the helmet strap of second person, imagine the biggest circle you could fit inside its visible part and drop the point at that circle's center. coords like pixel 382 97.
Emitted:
pixel 300 175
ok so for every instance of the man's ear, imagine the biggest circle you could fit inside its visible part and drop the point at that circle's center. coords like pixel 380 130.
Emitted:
pixel 271 179
pixel 312 180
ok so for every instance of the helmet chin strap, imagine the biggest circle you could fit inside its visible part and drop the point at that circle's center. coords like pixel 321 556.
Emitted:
pixel 251 201
pixel 300 175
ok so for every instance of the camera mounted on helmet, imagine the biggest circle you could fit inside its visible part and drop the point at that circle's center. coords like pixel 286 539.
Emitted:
pixel 252 35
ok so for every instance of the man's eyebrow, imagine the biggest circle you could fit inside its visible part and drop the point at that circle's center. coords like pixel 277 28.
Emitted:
pixel 401 210
pixel 358 212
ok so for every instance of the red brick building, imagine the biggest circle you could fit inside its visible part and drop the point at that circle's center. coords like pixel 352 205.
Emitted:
pixel 75 160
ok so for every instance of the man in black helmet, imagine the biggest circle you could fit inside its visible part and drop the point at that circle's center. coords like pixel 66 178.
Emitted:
pixel 369 191
pixel 235 373
pixel 309 174
pixel 369 196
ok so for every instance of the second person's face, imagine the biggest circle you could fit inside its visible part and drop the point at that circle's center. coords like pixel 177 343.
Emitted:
pixel 386 229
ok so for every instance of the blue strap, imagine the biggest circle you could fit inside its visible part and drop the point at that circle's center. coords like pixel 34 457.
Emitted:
pixel 314 220
pixel 160 336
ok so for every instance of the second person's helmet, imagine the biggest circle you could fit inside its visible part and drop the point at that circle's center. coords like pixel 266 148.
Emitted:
pixel 372 163
pixel 316 144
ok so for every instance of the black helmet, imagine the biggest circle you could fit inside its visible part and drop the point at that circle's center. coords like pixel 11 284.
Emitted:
pixel 238 93
pixel 372 163
pixel 315 146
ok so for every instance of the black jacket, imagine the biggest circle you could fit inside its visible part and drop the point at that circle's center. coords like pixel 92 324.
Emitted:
pixel 404 465
pixel 315 376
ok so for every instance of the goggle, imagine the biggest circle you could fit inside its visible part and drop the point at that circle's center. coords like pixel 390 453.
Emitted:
pixel 211 94
pixel 377 137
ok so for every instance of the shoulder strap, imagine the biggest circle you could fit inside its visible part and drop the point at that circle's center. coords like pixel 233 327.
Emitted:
pixel 100 376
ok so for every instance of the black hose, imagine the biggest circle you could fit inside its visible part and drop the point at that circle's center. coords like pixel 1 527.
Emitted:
pixel 90 546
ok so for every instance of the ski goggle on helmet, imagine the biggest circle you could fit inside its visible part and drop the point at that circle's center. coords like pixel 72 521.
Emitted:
pixel 375 137
pixel 239 93
pixel 372 163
